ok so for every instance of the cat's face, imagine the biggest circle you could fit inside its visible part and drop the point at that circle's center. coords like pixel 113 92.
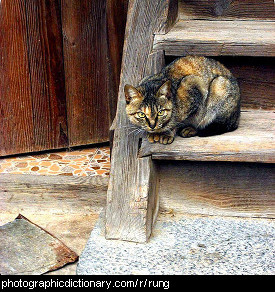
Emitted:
pixel 149 110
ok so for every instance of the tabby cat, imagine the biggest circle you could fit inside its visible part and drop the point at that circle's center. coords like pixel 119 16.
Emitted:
pixel 191 96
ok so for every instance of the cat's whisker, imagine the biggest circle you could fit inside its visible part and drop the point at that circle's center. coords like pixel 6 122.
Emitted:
pixel 136 132
pixel 126 127
pixel 133 131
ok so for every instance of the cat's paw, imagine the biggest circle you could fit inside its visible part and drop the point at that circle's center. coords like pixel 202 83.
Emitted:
pixel 161 138
pixel 188 132
pixel 152 138
pixel 166 139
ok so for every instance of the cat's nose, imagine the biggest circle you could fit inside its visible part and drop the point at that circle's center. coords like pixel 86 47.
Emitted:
pixel 152 125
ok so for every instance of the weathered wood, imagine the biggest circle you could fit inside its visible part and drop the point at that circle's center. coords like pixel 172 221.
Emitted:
pixel 169 16
pixel 256 78
pixel 253 141
pixel 68 207
pixel 51 194
pixel 227 9
pixel 116 11
pixel 131 192
pixel 218 38
pixel 85 60
pixel 217 188
pixel 132 197
pixel 32 90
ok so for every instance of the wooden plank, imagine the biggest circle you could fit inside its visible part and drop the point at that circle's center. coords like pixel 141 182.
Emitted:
pixel 85 59
pixel 253 141
pixel 218 38
pixel 45 55
pixel 227 9
pixel 116 22
pixel 217 188
pixel 16 113
pixel 51 194
pixel 54 64
pixel 32 94
pixel 131 201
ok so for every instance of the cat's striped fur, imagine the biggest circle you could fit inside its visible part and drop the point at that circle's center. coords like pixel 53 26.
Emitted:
pixel 191 96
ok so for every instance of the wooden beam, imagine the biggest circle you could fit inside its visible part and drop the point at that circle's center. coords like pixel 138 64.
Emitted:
pixel 131 196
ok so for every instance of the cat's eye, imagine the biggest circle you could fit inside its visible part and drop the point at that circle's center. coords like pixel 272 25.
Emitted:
pixel 141 115
pixel 161 112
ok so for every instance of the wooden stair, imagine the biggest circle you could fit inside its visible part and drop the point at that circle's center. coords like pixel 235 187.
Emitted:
pixel 253 141
pixel 227 175
pixel 216 38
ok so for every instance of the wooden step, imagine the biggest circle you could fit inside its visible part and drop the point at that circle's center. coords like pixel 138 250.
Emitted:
pixel 218 38
pixel 253 141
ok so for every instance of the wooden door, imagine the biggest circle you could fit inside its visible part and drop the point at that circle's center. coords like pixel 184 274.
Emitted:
pixel 32 95
pixel 58 78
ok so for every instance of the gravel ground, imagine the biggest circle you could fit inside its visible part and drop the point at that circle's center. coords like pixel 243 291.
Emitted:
pixel 186 245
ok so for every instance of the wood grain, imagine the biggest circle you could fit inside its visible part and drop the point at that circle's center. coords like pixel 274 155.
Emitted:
pixel 217 188
pixel 227 9
pixel 218 38
pixel 32 92
pixel 116 22
pixel 85 59
pixel 131 195
pixel 169 16
pixel 16 130
pixel 51 194
pixel 256 78
pixel 253 141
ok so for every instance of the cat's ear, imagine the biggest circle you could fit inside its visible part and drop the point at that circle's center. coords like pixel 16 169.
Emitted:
pixel 131 92
pixel 165 89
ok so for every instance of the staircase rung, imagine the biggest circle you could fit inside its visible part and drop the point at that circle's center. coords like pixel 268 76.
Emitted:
pixel 253 141
pixel 218 38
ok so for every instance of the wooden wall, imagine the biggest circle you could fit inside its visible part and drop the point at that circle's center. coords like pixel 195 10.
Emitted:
pixel 57 74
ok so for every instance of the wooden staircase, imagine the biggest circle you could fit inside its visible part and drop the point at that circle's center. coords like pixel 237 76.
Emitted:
pixel 227 175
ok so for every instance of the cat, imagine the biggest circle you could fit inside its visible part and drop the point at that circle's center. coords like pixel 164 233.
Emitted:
pixel 191 96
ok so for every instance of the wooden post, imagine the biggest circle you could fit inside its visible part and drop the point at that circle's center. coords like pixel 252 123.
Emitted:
pixel 132 202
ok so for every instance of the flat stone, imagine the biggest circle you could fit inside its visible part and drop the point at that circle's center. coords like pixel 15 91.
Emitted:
pixel 185 245
pixel 27 249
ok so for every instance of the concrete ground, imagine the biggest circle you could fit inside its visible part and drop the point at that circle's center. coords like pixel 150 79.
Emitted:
pixel 186 245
